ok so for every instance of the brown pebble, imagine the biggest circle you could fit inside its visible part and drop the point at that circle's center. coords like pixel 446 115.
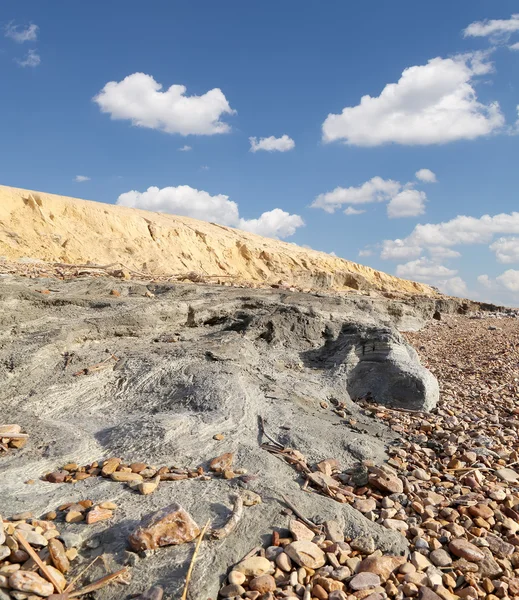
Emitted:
pixel 74 516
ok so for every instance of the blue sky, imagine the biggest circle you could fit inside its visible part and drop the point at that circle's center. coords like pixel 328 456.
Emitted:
pixel 281 69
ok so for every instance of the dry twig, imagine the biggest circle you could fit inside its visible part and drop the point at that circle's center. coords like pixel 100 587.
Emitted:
pixel 237 512
pixel 193 558
pixel 70 586
pixel 298 514
pixel 100 583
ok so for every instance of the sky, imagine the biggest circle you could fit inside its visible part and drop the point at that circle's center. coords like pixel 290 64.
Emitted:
pixel 385 133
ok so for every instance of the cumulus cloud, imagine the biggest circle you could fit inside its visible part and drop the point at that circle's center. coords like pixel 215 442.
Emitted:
pixel 81 178
pixel 434 103
pixel 139 99
pixel 485 281
pixel 424 269
pixel 426 175
pixel 350 211
pixel 199 204
pixel 185 149
pixel 509 280
pixel 494 28
pixel 20 34
pixel 506 249
pixel 32 59
pixel 399 250
pixel 461 230
pixel 374 190
pixel 272 144
pixel 514 46
pixel 432 273
pixel 408 203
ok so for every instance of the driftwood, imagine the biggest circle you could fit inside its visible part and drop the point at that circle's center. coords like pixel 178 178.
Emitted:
pixel 237 512
pixel 29 549
pixel 193 558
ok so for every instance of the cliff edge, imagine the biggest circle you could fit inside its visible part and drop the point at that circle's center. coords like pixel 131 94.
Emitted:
pixel 56 228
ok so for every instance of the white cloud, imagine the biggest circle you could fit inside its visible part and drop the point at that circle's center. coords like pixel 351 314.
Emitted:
pixel 509 280
pixel 461 230
pixel 272 144
pixel 187 201
pixel 434 103
pixel 274 223
pixel 350 211
pixel 185 149
pixel 374 190
pixel 32 59
pixel 506 249
pixel 81 178
pixel 408 203
pixel 20 34
pixel 485 281
pixel 432 273
pixel 514 46
pixel 424 269
pixel 398 250
pixel 426 175
pixel 441 253
pixel 138 98
pixel 365 253
pixel 495 28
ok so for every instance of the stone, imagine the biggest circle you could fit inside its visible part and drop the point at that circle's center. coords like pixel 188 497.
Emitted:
pixel 508 475
pixel 2 531
pixel 283 561
pixel 109 466
pixel 35 539
pixel 236 578
pixel 363 581
pixel 57 476
pixel 255 566
pixel 341 573
pixel 59 578
pixel 337 595
pixel 382 566
pixel 420 561
pixel 365 505
pixel 306 554
pixel 109 505
pixel 488 567
pixel 4 552
pixel 58 555
pixel 29 581
pixel 428 594
pixel 319 592
pixel 481 510
pixel 396 525
pixel 250 498
pixel 154 593
pixel 364 544
pixel 421 474
pixel 149 486
pixel 171 525
pixel 334 532
pixel 222 463
pixel 232 591
pixel 440 558
pixel 97 514
pixel 71 540
pixel 329 585
pixel 499 547
pixel 464 549
pixel 125 476
pixel 263 584
pixel 387 483
pixel 74 516
pixel 300 531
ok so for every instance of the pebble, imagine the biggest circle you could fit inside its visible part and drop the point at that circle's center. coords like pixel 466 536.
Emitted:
pixel 232 591
pixel 440 558
pixel 58 555
pixel 364 544
pixel 300 531
pixel 363 581
pixel 382 566
pixel 255 566
pixel 263 584
pixel 464 549
pixel 236 578
pixel 306 554
pixel 28 581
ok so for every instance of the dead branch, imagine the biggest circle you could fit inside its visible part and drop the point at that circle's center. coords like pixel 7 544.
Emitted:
pixel 100 583
pixel 70 586
pixel 298 514
pixel 193 558
pixel 29 549
pixel 237 512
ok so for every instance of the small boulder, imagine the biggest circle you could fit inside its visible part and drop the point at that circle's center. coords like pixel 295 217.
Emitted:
pixel 306 554
pixel 464 549
pixel 170 526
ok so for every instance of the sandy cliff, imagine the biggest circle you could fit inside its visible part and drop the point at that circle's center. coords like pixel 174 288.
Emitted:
pixel 60 229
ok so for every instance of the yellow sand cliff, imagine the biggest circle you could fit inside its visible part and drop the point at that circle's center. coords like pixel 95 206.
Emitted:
pixel 60 229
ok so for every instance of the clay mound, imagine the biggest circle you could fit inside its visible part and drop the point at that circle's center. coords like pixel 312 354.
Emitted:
pixel 60 229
